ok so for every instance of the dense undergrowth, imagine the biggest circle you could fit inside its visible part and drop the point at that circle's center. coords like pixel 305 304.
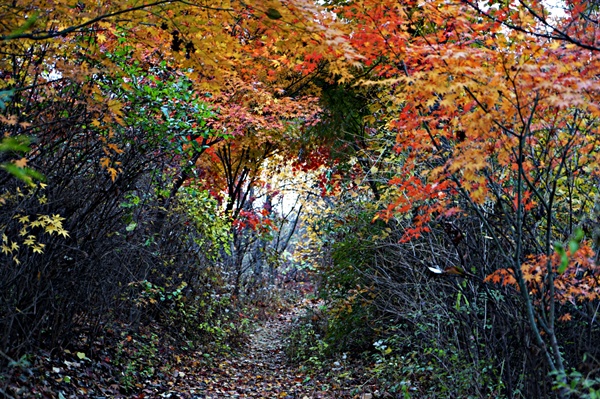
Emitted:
pixel 168 354
pixel 109 260
pixel 425 335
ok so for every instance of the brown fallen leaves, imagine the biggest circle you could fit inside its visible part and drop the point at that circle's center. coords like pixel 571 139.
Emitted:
pixel 118 367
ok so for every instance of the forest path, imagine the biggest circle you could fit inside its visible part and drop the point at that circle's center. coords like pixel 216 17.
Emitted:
pixel 260 369
pixel 257 369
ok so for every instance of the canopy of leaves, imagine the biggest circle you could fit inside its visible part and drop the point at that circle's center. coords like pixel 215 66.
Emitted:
pixel 465 132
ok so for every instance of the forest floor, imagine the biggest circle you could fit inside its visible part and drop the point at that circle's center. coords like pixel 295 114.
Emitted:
pixel 259 368
pixel 262 370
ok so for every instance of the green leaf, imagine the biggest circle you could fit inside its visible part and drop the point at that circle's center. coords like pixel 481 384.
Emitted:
pixel 273 13
pixel 575 241
pixel 25 27
pixel 457 304
pixel 25 174
pixel 573 246
pixel 81 355
pixel 564 260
pixel 17 144
pixel 5 96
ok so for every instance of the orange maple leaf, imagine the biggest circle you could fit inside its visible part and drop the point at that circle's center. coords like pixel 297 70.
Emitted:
pixel 21 163
pixel 565 317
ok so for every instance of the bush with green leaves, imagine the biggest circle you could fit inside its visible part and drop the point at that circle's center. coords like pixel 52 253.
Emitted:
pixel 445 335
pixel 432 369
pixel 578 386
pixel 351 314
pixel 305 342
pixel 118 212
pixel 138 357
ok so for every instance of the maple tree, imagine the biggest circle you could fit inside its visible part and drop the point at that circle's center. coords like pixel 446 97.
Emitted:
pixel 493 124
pixel 227 44
pixel 122 101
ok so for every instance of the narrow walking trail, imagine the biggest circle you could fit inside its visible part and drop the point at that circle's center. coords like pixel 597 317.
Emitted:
pixel 257 369
pixel 261 370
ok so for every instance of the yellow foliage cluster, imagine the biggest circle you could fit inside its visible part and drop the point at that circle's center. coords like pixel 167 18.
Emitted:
pixel 29 227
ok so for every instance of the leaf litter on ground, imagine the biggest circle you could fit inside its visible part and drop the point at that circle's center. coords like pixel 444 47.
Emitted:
pixel 259 368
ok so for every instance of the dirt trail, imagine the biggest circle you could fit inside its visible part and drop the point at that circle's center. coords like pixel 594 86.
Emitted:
pixel 261 370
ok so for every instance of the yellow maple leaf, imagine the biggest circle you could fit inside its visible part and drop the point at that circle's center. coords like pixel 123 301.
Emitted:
pixel 116 107
pixel 528 276
pixel 5 249
pixel 56 218
pixel 36 223
pixel 115 148
pixel 565 317
pixel 38 249
pixel 62 232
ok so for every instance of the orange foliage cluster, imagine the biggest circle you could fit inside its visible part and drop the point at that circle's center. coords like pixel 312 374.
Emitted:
pixel 459 92
pixel 580 282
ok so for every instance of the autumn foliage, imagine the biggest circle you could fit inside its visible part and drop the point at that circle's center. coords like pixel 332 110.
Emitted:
pixel 116 117
pixel 482 135
pixel 461 136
